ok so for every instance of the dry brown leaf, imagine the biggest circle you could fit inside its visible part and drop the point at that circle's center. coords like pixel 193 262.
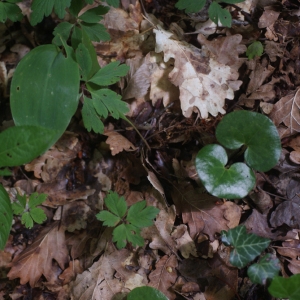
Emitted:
pixel 164 275
pixel 118 143
pixel 70 273
pixel 37 259
pixel 287 111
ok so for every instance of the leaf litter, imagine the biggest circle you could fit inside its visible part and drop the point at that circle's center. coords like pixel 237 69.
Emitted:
pixel 177 90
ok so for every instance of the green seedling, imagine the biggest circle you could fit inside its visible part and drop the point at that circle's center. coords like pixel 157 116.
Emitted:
pixel 254 133
pixel 254 50
pixel 127 222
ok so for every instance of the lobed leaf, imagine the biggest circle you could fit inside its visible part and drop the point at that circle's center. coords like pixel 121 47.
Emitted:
pixel 22 200
pixel 17 208
pixel 27 220
pixel 94 15
pixel 36 199
pixel 38 215
pixel 62 31
pixel 108 218
pixel 90 118
pixel 96 32
pixel 146 293
pixel 191 6
pixel 10 11
pixel 116 204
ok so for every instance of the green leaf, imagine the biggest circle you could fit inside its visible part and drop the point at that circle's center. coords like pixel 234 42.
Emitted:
pixel 27 220
pixel 90 118
pixel 255 49
pixel 38 215
pixel 107 101
pixel 41 8
pixel 285 287
pixel 44 89
pixel 21 144
pixel 267 268
pixel 257 132
pixel 10 11
pixel 17 208
pixel 114 3
pixel 108 218
pixel 141 216
pixel 116 204
pixel 110 74
pixel 216 13
pixel 94 15
pixel 191 6
pixel 96 32
pixel 146 293
pixel 5 172
pixel 62 31
pixel 6 217
pixel 84 60
pixel 36 199
pixel 76 6
pixel 247 246
pixel 127 233
pixel 232 1
pixel 230 183
pixel 22 200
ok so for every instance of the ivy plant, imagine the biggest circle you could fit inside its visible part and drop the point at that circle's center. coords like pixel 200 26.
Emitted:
pixel 215 11
pixel 251 132
pixel 127 222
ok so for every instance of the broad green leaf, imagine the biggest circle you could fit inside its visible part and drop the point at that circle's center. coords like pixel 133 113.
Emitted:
pixel 84 60
pixel 257 132
pixel 267 268
pixel 146 293
pixel 191 6
pixel 44 89
pixel 107 101
pixel 36 199
pixel 108 218
pixel 116 204
pixel 6 216
pixel 21 144
pixel 255 49
pixel 110 74
pixel 94 15
pixel 247 246
pixel 90 118
pixel 76 6
pixel 114 3
pixel 41 8
pixel 38 215
pixel 5 172
pixel 62 31
pixel 10 11
pixel 141 216
pixel 96 32
pixel 219 180
pixel 285 287
pixel 216 13
pixel 27 220
pixel 127 233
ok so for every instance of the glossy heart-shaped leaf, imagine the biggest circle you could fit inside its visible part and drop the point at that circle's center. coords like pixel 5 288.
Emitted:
pixel 230 183
pixel 257 132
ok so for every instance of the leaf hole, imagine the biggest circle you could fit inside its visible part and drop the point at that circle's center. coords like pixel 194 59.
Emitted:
pixel 18 88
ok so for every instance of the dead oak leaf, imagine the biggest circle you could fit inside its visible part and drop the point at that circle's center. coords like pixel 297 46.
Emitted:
pixel 37 259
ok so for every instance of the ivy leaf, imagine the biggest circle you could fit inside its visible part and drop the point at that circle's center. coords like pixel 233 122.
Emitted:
pixel 41 8
pixel 84 60
pixel 110 74
pixel 141 216
pixel 6 216
pixel 216 13
pixel 255 49
pixel 10 11
pixel 90 117
pixel 114 3
pixel 94 15
pixel 127 233
pixel 108 218
pixel 285 287
pixel 191 6
pixel 62 31
pixel 247 246
pixel 267 268
pixel 96 32
pixel 107 101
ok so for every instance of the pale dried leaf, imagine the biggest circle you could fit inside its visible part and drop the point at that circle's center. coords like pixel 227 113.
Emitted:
pixel 70 273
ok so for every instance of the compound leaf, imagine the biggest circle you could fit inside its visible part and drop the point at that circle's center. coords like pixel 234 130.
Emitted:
pixel 255 49
pixel 62 31
pixel 247 246
pixel 230 183
pixel 96 32
pixel 27 220
pixel 10 11
pixel 6 216
pixel 127 233
pixel 257 132
pixel 116 204
pixel 141 216
pixel 38 215
pixel 146 293
pixel 36 199
pixel 191 6
pixel 94 15
pixel 217 13
pixel 108 218
pixel 90 117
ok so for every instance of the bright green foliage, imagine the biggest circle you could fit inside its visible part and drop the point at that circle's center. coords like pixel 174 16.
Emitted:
pixel 146 293
pixel 247 246
pixel 96 32
pixel 217 13
pixel 27 208
pixel 255 49
pixel 110 74
pixel 6 217
pixel 62 31
pixel 267 268
pixel 230 183
pixel 190 6
pixel 256 132
pixel 138 216
pixel 285 287
pixel 9 10
pixel 90 118
pixel 84 61
pixel 21 144
pixel 94 15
